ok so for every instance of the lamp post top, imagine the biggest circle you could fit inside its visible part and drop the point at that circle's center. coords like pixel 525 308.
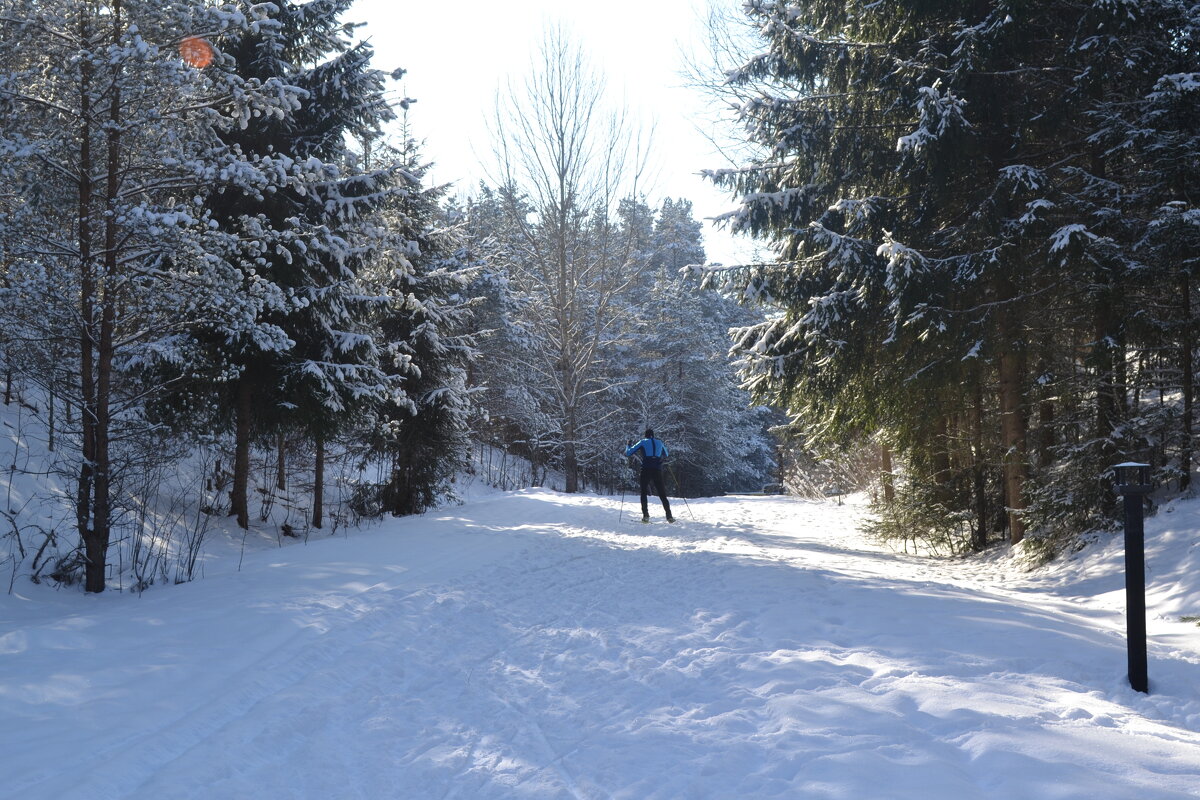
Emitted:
pixel 1133 477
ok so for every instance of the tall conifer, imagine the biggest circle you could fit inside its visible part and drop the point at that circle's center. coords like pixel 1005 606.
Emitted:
pixel 308 228
pixel 949 207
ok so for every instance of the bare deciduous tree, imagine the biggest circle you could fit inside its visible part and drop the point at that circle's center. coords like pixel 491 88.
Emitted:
pixel 565 162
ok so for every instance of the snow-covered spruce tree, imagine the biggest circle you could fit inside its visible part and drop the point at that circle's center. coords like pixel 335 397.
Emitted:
pixel 110 255
pixel 422 429
pixel 1127 320
pixel 512 417
pixel 949 248
pixel 570 163
pixel 1115 356
pixel 616 413
pixel 725 434
pixel 678 376
pixel 826 104
pixel 1143 69
pixel 307 224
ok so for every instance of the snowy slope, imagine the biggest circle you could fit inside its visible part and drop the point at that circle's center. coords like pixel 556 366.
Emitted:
pixel 531 645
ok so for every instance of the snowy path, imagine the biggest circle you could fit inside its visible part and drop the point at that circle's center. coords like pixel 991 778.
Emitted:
pixel 529 646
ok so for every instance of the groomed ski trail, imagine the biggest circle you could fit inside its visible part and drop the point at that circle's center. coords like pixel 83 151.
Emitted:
pixel 530 646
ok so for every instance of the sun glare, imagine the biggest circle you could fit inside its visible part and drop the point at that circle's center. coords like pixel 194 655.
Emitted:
pixel 196 52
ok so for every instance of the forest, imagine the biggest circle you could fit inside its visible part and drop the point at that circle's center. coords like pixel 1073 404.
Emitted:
pixel 221 255
pixel 986 227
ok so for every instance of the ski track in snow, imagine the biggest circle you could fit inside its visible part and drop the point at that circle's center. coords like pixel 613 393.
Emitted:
pixel 532 646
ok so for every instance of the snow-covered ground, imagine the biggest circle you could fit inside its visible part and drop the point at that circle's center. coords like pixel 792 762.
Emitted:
pixel 538 645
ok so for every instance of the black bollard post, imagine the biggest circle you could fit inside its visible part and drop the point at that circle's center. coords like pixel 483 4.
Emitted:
pixel 1133 483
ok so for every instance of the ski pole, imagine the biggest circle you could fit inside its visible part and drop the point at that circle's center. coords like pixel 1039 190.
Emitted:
pixel 681 497
pixel 629 463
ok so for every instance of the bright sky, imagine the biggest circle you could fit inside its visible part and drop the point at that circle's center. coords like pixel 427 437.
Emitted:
pixel 459 54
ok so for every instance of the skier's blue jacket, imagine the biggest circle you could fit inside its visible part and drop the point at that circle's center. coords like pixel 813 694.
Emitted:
pixel 653 452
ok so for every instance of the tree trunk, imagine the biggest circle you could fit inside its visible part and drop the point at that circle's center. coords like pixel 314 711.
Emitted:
pixel 1106 399
pixel 105 294
pixel 570 456
pixel 570 469
pixel 1108 360
pixel 1187 345
pixel 87 300
pixel 398 499
pixel 239 495
pixel 978 474
pixel 280 462
pixel 97 549
pixel 318 509
pixel 1109 385
pixel 1012 431
pixel 941 451
pixel 889 488
pixel 1045 438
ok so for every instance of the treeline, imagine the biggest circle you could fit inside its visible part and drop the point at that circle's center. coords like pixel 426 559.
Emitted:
pixel 987 230
pixel 207 240
pixel 599 328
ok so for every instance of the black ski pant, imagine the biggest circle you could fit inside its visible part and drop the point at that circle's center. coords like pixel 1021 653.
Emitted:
pixel 654 476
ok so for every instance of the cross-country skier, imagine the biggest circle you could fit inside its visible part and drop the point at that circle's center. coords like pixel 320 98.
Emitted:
pixel 653 452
